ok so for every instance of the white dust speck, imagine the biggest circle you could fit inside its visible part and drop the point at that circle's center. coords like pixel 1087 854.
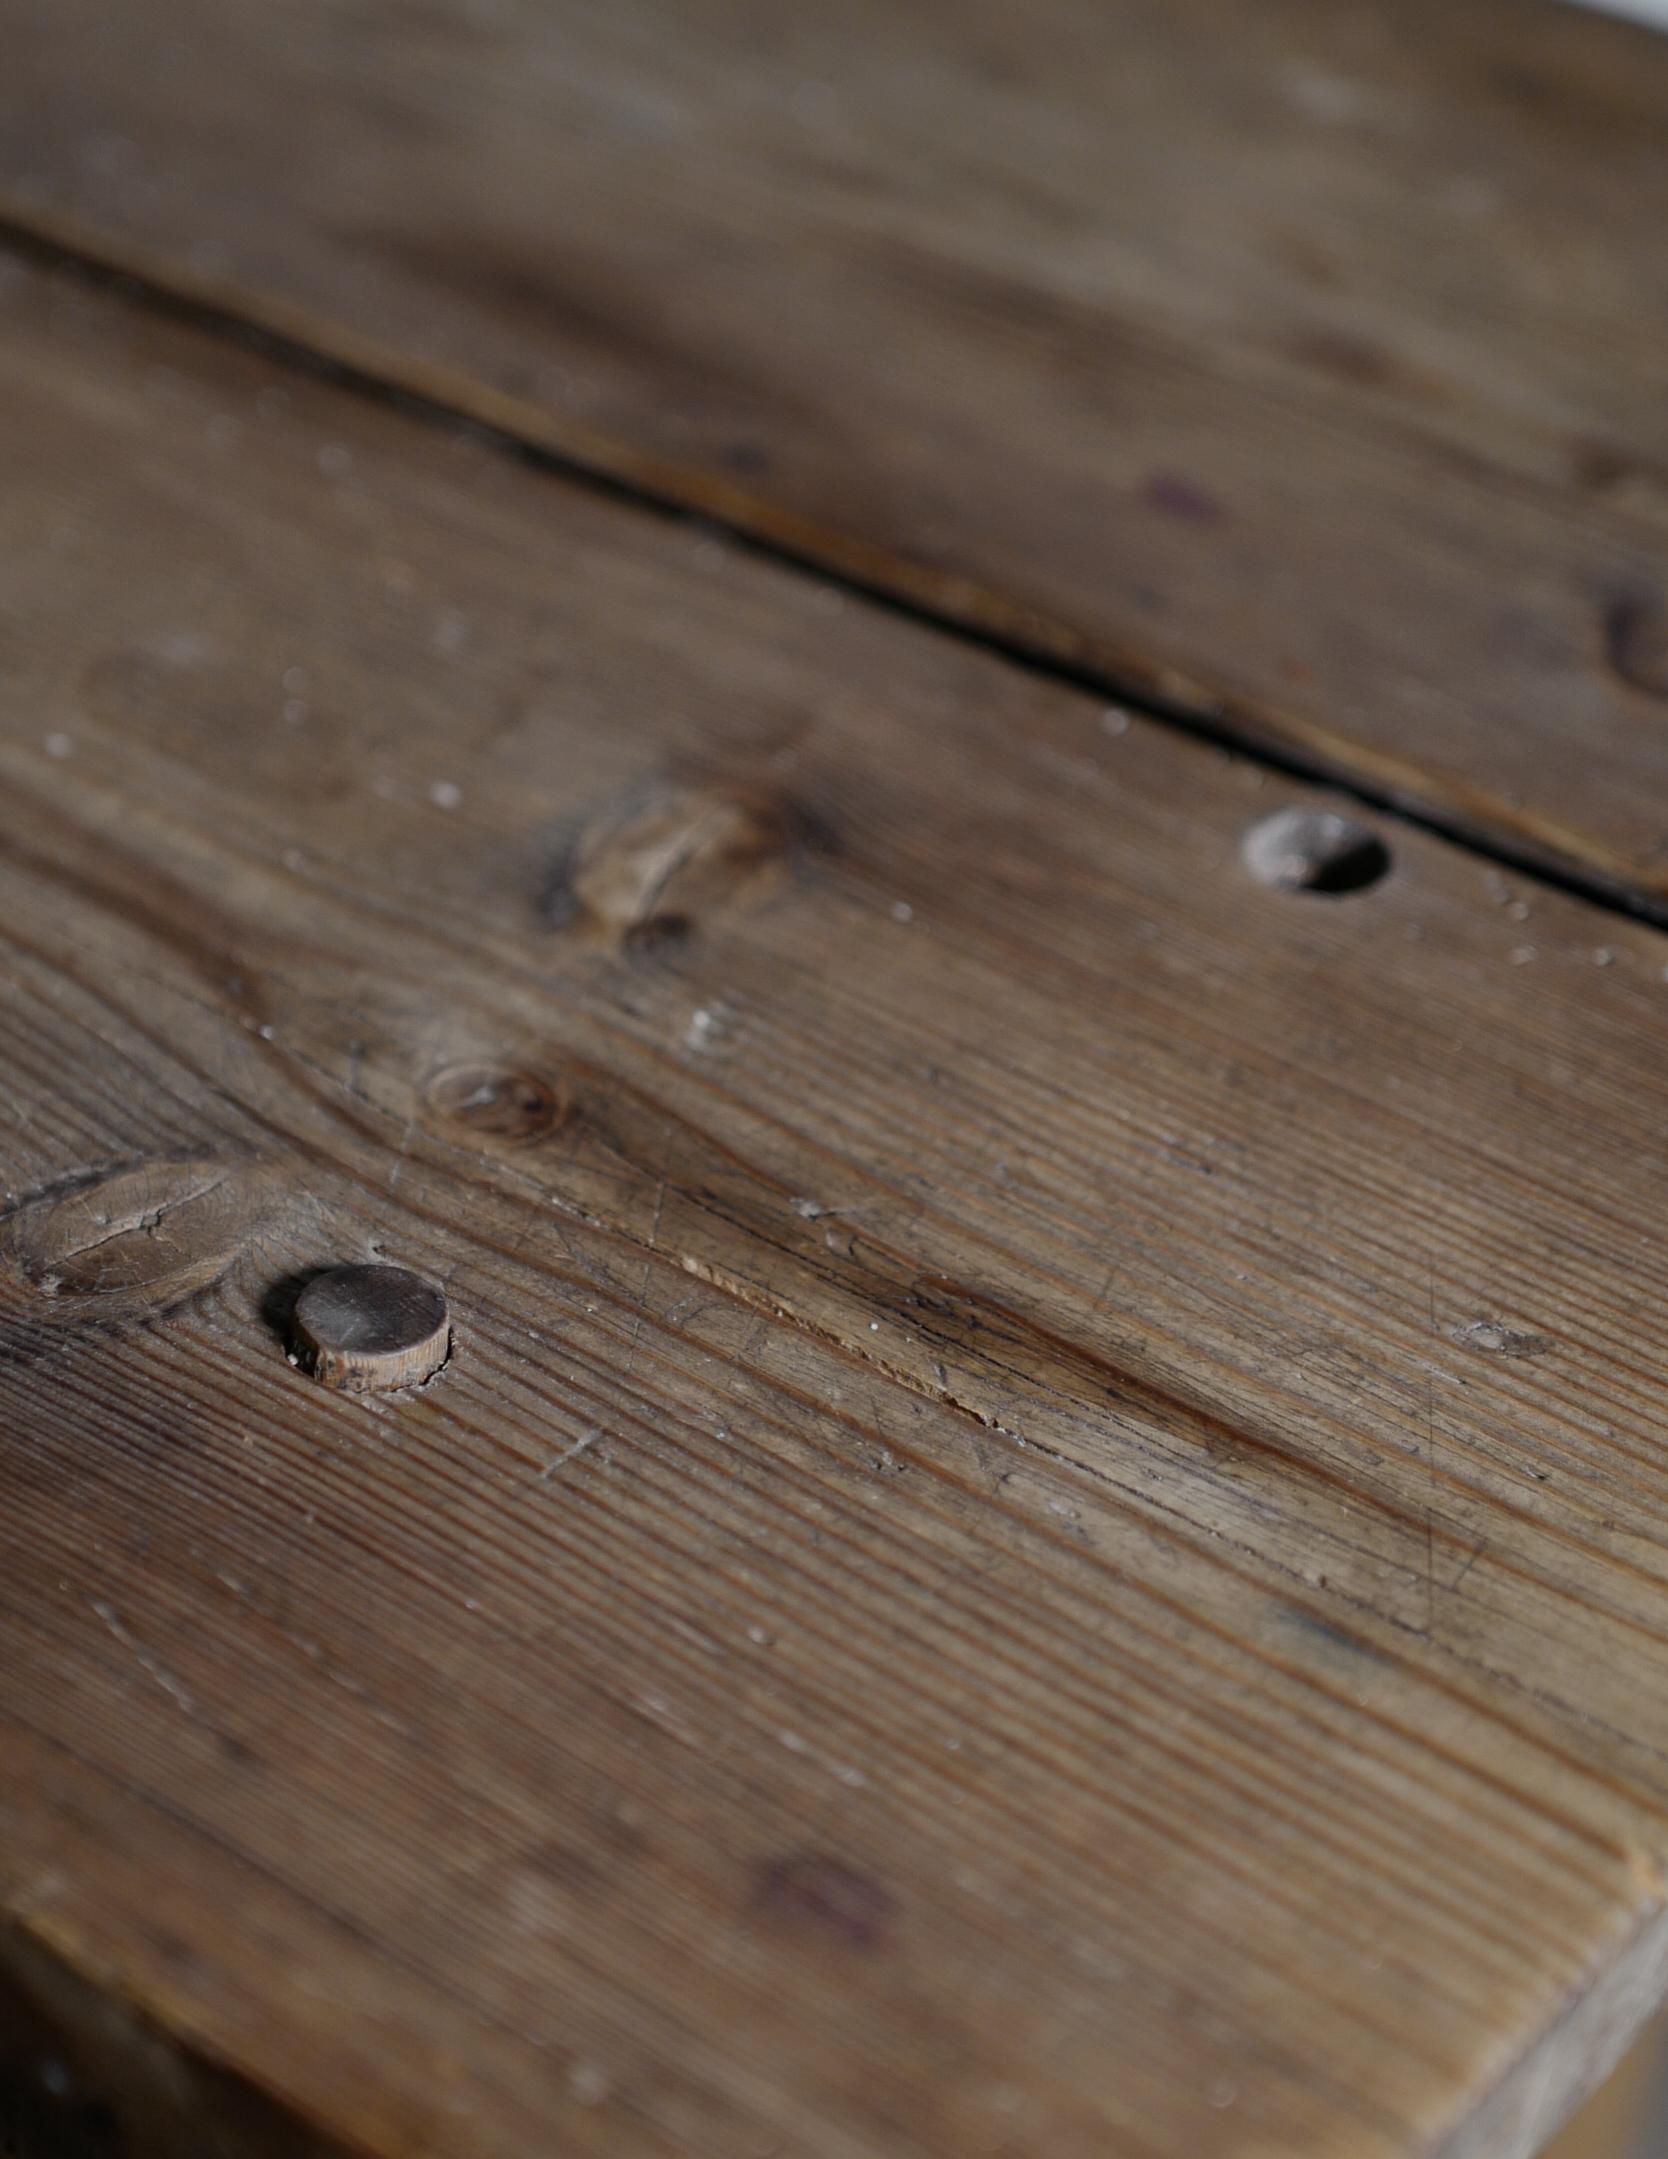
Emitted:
pixel 1521 955
pixel 335 461
pixel 1472 195
pixel 708 1024
pixel 445 794
pixel 1604 956
pixel 1323 95
pixel 183 648
pixel 58 745
pixel 589 2083
pixel 295 711
pixel 1113 722
pixel 902 911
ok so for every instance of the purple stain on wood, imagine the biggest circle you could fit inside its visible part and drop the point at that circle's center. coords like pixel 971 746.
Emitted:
pixel 1175 495
pixel 815 1893
pixel 1636 642
pixel 1348 358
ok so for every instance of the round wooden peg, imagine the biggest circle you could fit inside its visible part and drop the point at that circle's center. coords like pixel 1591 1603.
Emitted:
pixel 370 1329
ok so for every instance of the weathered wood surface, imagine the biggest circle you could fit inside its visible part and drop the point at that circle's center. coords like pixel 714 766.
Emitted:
pixel 1045 1528
pixel 1624 2115
pixel 1303 363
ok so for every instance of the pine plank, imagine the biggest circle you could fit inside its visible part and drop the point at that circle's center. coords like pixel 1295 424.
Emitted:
pixel 1044 1530
pixel 1301 365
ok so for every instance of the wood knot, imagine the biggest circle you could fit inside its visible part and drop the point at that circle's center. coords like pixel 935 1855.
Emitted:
pixel 371 1329
pixel 1636 642
pixel 496 1104
pixel 120 1246
pixel 652 865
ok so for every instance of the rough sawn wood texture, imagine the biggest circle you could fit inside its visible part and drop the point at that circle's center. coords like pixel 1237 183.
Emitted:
pixel 1045 1528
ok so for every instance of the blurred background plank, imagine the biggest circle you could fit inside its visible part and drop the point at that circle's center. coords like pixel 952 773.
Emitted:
pixel 1301 367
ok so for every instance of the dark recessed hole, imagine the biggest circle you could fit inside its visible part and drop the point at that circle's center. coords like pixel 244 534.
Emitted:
pixel 1314 851
pixel 659 936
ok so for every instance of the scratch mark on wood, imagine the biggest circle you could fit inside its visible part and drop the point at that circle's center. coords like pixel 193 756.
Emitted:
pixel 144 1658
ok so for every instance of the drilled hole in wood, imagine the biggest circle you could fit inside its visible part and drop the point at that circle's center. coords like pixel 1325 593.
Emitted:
pixel 1314 851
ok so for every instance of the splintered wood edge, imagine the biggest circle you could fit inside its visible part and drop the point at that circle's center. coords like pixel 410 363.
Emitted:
pixel 1558 2069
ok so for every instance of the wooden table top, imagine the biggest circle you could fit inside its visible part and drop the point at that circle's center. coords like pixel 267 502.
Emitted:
pixel 931 744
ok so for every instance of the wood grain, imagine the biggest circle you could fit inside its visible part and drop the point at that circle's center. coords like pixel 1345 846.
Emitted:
pixel 1300 365
pixel 1045 1529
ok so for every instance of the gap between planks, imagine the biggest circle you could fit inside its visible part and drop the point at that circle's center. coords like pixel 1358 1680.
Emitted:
pixel 956 608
